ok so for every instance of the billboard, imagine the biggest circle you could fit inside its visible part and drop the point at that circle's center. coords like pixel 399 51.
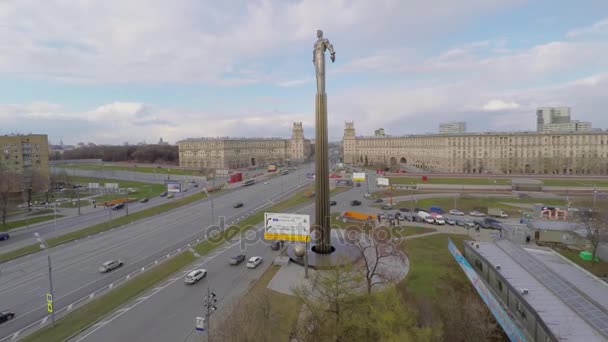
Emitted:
pixel 174 187
pixel 289 227
pixel 509 327
pixel 358 176
pixel 383 181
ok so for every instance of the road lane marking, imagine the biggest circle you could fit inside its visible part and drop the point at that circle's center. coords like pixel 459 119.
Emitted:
pixel 32 290
pixel 44 320
pixel 15 335
pixel 92 295
pixel 70 307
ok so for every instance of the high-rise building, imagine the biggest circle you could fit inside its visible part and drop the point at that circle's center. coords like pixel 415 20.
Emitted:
pixel 572 126
pixel 553 116
pixel 23 154
pixel 453 128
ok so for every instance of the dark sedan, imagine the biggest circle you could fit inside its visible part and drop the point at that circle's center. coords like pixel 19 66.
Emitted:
pixel 355 203
pixel 6 316
pixel 238 205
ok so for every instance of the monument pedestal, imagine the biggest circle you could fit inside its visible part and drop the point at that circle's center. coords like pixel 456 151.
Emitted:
pixel 343 253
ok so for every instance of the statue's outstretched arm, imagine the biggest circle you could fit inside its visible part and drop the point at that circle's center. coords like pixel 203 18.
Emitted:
pixel 331 50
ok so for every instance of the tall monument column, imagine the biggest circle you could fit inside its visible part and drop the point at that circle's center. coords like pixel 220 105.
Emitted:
pixel 322 218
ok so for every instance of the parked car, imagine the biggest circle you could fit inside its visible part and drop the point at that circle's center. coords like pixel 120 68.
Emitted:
pixel 450 221
pixel 436 209
pixel 386 207
pixel 378 200
pixel 170 196
pixel 4 236
pixel 237 259
pixel 488 223
pixel 477 213
pixel 110 265
pixel 381 215
pixel 6 316
pixel 416 210
pixel 390 217
pixel 355 202
pixel 405 210
pixel 196 185
pixel 332 203
pixel 238 205
pixel 144 200
pixel 254 262
pixel 195 276
pixel 465 223
pixel 163 194
pixel 456 212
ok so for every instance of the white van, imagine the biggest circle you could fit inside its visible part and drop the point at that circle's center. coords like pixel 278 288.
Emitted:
pixel 425 217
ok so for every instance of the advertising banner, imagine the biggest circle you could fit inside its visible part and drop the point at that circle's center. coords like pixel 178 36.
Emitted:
pixel 383 181
pixel 174 187
pixel 288 227
pixel 358 176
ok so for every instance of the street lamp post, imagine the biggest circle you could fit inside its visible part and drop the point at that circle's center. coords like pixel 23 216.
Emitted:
pixel 45 245
pixel 209 303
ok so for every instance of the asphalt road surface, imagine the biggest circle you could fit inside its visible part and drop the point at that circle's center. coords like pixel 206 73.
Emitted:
pixel 167 313
pixel 24 281
pixel 24 236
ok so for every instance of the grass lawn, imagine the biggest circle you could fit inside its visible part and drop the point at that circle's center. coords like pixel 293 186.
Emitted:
pixel 22 223
pixel 430 262
pixel 412 230
pixel 142 189
pixel 576 182
pixel 600 268
pixel 284 310
pixel 467 204
pixel 73 204
pixel 440 180
pixel 135 168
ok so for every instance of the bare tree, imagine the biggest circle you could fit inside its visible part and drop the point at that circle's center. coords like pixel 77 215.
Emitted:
pixel 9 184
pixel 33 181
pixel 380 254
pixel 596 225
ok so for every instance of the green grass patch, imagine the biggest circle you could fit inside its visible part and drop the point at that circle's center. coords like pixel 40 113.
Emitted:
pixel 576 182
pixel 24 222
pixel 115 222
pixel 141 189
pixel 90 313
pixel 600 268
pixel 442 180
pixel 74 204
pixel 430 262
pixel 134 168
pixel 404 231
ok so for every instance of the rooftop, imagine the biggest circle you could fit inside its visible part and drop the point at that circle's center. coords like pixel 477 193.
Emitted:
pixel 572 302
pixel 479 134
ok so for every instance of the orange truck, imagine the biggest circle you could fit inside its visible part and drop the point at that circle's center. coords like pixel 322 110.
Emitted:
pixel 116 201
pixel 355 215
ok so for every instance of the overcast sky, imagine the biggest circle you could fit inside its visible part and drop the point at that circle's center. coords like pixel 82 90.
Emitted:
pixel 136 70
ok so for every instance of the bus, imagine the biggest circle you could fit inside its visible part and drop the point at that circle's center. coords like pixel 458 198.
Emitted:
pixel 249 182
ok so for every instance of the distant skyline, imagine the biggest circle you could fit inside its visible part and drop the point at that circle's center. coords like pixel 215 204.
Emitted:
pixel 117 71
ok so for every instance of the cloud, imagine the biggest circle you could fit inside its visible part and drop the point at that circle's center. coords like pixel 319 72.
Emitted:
pixel 495 105
pixel 598 28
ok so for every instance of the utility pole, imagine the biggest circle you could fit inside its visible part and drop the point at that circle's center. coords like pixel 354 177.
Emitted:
pixel 209 303
pixel 50 308
pixel 127 202
pixel 594 196
pixel 78 195
pixel 212 217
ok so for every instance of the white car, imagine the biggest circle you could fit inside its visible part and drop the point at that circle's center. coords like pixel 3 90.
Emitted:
pixel 265 182
pixel 194 276
pixel 456 212
pixel 477 213
pixel 110 265
pixel 254 262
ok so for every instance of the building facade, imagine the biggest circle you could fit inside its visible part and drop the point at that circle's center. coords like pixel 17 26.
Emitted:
pixel 234 153
pixel 572 126
pixel 28 157
pixel 557 119
pixel 498 153
pixel 453 128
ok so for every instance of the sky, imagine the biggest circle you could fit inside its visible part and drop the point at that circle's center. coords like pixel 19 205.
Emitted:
pixel 117 71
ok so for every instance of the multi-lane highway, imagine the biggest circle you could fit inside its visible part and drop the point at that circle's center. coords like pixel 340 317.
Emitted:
pixel 23 236
pixel 24 281
pixel 167 313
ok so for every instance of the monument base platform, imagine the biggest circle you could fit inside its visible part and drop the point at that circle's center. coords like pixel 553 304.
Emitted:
pixel 343 253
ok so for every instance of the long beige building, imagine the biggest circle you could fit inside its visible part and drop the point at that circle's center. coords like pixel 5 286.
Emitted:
pixel 501 153
pixel 22 154
pixel 233 153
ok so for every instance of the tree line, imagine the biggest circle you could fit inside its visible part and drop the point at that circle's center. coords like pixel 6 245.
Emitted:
pixel 152 153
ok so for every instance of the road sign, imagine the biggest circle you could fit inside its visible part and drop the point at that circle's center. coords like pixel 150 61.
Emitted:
pixel 289 227
pixel 358 176
pixel 200 323
pixel 49 298
pixel 383 181
pixel 49 307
